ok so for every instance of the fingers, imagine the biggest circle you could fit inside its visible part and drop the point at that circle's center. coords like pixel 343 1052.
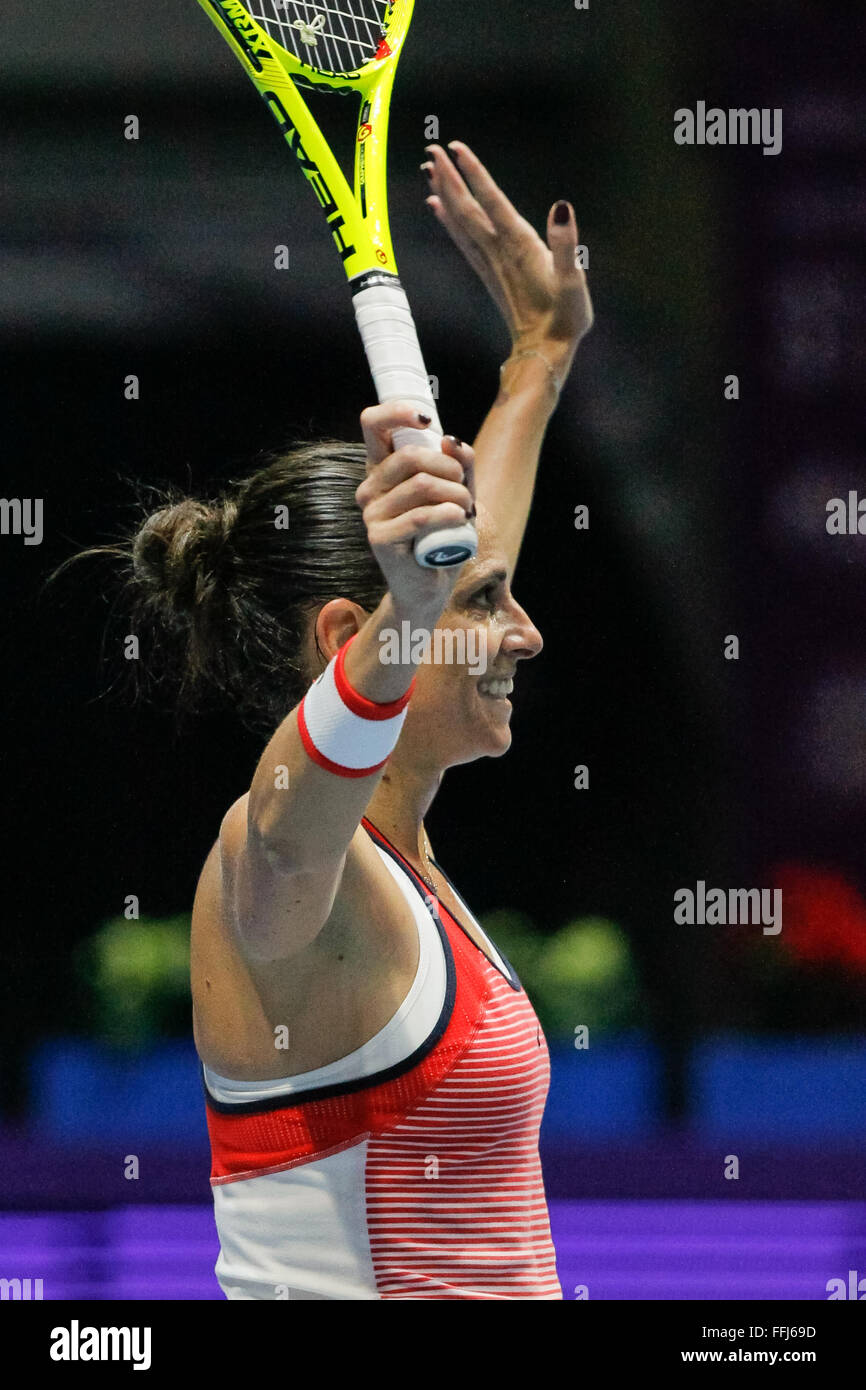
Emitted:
pixel 416 477
pixel 562 240
pixel 465 456
pixel 425 475
pixel 502 214
pixel 406 527
pixel 463 218
pixel 421 490
pixel 467 242
pixel 378 423
pixel 455 197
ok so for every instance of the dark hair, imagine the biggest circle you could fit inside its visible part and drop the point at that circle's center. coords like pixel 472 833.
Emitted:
pixel 220 592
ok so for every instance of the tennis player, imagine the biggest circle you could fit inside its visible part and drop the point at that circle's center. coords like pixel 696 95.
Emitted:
pixel 374 1074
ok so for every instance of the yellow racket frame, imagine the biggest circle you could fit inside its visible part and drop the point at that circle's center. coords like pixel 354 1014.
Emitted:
pixel 358 219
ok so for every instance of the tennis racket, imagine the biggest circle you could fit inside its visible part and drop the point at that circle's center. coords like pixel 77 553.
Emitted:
pixel 354 46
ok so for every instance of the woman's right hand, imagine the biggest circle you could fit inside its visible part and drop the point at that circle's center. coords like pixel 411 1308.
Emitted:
pixel 408 494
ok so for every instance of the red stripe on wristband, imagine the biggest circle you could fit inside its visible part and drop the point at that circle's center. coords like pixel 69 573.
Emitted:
pixel 357 703
pixel 329 766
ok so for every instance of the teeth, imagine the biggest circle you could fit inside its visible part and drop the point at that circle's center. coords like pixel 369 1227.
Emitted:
pixel 496 688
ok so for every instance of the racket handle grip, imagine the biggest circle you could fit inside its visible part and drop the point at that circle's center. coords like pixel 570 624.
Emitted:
pixel 450 545
pixel 391 343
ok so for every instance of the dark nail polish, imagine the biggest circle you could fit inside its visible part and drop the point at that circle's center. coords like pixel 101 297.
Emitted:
pixel 560 213
pixel 454 155
pixel 425 419
pixel 473 513
pixel 458 443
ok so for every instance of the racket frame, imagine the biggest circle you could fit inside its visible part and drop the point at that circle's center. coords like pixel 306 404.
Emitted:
pixel 357 218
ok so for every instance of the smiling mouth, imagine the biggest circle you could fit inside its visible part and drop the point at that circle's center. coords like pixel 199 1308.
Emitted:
pixel 496 690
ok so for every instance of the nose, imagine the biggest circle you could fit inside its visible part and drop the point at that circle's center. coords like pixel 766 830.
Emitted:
pixel 522 638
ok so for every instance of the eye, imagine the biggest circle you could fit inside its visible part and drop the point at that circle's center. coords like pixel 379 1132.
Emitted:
pixel 485 598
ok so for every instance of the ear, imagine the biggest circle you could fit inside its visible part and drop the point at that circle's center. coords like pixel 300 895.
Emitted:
pixel 333 625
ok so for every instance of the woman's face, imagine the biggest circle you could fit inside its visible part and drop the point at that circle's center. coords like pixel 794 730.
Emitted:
pixel 483 635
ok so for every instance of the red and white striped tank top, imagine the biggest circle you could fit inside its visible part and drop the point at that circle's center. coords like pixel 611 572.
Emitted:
pixel 419 1180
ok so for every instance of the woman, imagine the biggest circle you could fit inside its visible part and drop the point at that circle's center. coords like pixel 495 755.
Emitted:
pixel 374 1073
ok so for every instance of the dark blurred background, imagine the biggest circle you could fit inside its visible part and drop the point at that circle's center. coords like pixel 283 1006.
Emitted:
pixel 707 518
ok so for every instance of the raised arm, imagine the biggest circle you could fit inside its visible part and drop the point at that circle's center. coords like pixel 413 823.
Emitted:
pixel 542 294
pixel 283 846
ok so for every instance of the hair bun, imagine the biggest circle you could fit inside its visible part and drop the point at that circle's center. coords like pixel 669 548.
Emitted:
pixel 178 552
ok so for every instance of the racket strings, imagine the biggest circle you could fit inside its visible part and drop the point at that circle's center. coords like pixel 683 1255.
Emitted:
pixel 334 38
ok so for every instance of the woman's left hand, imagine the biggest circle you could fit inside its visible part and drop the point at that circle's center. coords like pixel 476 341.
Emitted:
pixel 540 290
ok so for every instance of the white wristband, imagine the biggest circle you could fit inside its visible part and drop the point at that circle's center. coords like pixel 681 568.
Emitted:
pixel 344 732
